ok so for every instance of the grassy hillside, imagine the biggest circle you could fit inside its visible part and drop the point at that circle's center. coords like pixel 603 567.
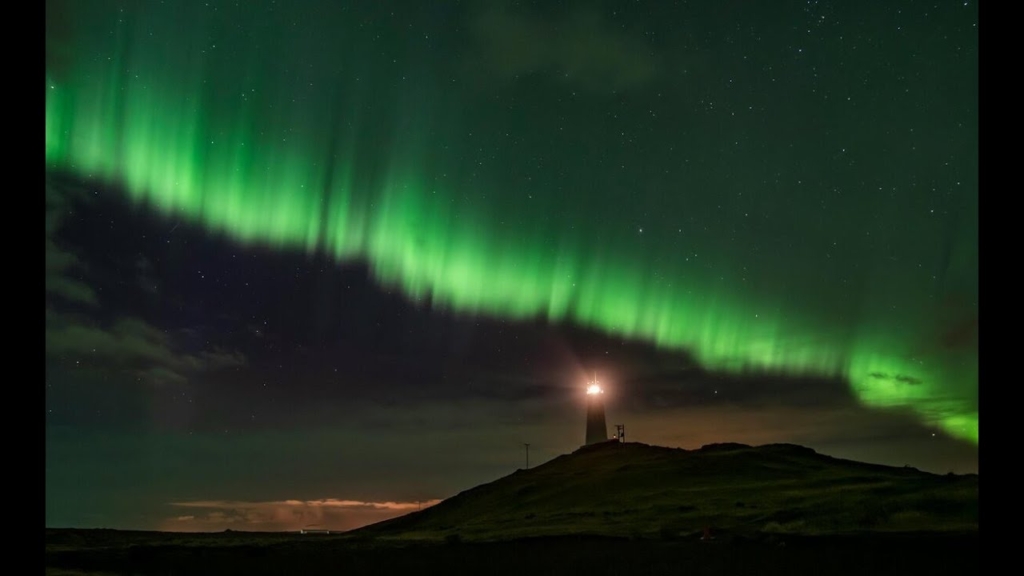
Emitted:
pixel 636 490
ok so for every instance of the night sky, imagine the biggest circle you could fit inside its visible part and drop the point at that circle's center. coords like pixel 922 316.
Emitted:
pixel 315 262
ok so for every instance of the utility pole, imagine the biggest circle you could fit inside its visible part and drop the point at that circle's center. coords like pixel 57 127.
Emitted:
pixel 527 444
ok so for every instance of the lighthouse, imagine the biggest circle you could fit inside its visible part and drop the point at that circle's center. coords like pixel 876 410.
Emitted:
pixel 597 430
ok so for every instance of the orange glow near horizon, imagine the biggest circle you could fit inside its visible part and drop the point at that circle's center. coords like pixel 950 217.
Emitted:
pixel 284 515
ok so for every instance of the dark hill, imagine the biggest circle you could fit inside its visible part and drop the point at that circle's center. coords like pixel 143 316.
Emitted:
pixel 637 490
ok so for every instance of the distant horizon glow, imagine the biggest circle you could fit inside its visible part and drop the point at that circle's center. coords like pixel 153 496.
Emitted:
pixel 285 515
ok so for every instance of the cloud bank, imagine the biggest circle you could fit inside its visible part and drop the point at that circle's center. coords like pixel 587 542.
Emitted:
pixel 285 515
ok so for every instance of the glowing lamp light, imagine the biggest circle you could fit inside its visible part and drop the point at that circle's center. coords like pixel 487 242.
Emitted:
pixel 594 389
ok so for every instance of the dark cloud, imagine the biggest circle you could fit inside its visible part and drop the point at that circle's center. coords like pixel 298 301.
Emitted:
pixel 61 266
pixel 901 378
pixel 161 376
pixel 583 47
pixel 118 343
pixel 64 269
pixel 130 343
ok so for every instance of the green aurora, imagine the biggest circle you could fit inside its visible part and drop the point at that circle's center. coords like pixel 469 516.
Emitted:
pixel 479 199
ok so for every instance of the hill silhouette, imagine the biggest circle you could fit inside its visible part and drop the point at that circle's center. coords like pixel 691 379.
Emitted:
pixel 608 509
pixel 640 491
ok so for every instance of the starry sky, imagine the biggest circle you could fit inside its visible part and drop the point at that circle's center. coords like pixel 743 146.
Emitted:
pixel 324 263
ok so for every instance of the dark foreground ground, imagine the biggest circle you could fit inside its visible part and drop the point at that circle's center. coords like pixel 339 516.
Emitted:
pixel 151 553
